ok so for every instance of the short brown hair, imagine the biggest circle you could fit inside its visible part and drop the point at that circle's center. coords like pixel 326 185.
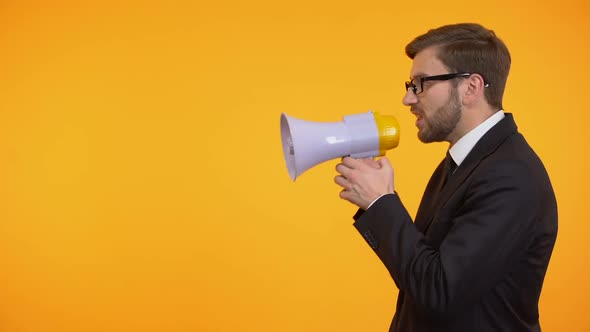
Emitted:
pixel 470 48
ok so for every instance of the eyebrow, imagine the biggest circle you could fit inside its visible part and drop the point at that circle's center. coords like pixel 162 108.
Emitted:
pixel 419 74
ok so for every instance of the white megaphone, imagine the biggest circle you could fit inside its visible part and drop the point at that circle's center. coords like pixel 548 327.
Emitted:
pixel 306 144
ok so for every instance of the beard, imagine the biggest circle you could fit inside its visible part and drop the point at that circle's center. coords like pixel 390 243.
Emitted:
pixel 443 121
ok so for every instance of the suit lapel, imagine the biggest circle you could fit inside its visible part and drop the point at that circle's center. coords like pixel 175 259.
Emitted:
pixel 435 195
pixel 429 198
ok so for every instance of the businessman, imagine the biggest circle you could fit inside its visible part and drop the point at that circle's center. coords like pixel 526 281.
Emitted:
pixel 475 257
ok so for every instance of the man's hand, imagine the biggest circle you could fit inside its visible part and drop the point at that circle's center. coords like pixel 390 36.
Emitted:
pixel 364 180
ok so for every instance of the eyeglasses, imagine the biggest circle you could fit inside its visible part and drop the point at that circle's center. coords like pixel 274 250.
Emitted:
pixel 417 83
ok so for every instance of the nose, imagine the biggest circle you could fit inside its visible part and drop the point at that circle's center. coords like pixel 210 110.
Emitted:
pixel 410 98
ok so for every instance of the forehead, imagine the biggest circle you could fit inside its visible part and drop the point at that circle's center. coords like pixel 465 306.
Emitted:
pixel 426 63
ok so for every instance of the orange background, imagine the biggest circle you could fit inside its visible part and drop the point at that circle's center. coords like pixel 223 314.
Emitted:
pixel 142 182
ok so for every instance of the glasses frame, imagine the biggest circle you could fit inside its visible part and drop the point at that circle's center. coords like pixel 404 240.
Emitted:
pixel 417 83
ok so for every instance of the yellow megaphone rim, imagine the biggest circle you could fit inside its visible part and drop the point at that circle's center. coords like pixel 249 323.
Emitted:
pixel 388 129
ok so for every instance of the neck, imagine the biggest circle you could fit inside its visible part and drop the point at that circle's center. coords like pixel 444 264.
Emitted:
pixel 470 118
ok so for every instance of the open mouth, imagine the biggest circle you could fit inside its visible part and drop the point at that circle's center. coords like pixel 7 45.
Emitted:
pixel 419 118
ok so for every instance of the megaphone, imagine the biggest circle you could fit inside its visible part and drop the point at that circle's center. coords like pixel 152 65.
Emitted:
pixel 365 135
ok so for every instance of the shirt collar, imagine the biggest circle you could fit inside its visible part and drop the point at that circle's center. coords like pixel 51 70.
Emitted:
pixel 465 144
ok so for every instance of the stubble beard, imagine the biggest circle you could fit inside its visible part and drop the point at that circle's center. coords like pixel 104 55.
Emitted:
pixel 443 121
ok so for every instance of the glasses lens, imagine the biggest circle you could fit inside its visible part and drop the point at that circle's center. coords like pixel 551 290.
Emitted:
pixel 411 85
pixel 417 84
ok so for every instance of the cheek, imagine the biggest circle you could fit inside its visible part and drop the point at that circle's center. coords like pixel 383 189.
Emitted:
pixel 430 108
pixel 427 110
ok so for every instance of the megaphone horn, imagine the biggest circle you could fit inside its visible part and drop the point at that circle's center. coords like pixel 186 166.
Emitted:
pixel 365 135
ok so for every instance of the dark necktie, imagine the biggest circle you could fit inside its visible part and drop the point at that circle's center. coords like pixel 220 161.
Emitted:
pixel 450 167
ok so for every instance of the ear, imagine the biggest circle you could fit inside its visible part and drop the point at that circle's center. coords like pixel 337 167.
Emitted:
pixel 474 92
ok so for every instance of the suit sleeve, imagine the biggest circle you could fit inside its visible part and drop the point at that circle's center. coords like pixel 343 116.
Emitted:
pixel 488 232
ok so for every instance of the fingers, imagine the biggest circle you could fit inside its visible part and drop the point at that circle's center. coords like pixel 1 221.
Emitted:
pixel 342 182
pixel 352 162
pixel 349 165
pixel 344 170
pixel 347 193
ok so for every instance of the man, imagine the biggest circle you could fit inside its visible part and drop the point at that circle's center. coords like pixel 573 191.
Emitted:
pixel 476 255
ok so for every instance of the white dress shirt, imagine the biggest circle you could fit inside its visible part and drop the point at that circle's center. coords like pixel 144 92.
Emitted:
pixel 465 144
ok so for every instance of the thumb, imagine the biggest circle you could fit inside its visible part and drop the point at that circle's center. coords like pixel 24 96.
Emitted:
pixel 384 162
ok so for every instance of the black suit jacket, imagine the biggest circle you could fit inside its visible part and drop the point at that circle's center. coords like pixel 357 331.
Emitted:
pixel 476 255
